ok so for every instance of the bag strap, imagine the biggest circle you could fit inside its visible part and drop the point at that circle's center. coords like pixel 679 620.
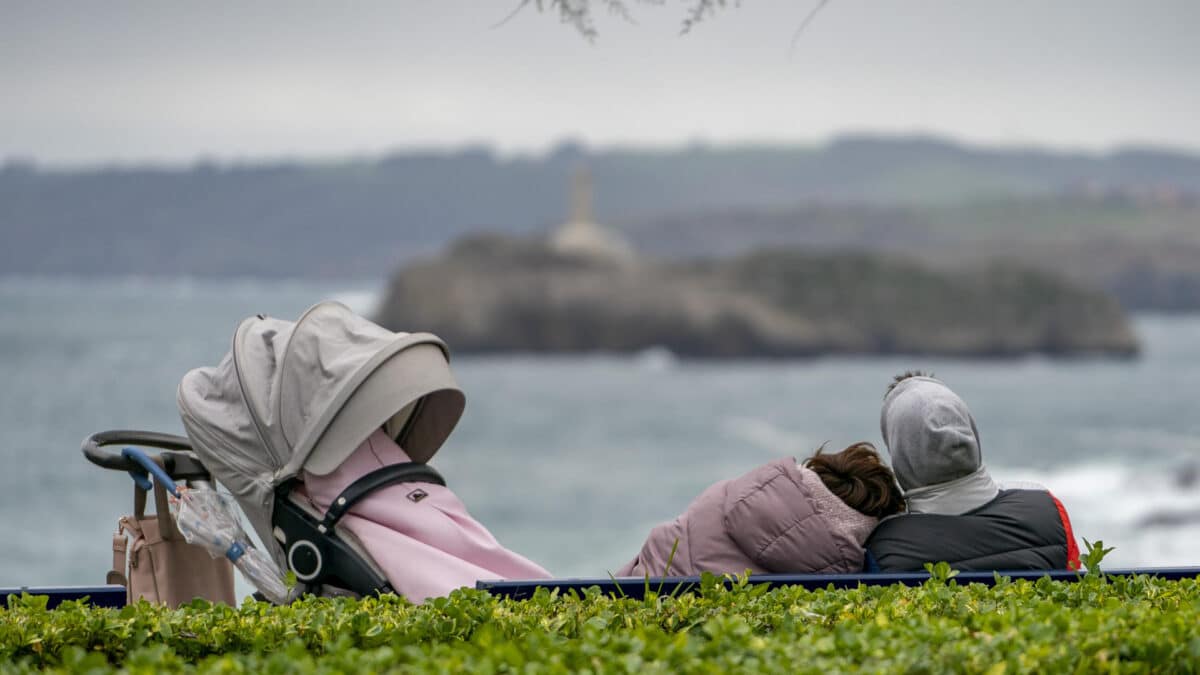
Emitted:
pixel 129 524
pixel 139 502
pixel 117 574
pixel 405 472
pixel 162 508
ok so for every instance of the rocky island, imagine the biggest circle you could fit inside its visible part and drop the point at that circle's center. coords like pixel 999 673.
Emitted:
pixel 585 289
pixel 492 293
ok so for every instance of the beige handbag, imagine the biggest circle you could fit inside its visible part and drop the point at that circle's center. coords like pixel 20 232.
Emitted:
pixel 162 566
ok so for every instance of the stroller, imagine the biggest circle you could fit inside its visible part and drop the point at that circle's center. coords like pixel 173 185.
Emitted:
pixel 300 396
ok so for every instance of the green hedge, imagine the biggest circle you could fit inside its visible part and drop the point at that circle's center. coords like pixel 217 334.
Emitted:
pixel 1134 624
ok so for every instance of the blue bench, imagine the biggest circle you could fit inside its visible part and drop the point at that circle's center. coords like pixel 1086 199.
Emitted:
pixel 97 596
pixel 635 587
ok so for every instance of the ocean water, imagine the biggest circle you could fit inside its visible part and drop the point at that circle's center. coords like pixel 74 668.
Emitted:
pixel 570 461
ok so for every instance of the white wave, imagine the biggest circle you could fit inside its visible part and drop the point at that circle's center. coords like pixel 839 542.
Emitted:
pixel 361 301
pixel 1147 513
pixel 765 435
pixel 1162 442
pixel 656 359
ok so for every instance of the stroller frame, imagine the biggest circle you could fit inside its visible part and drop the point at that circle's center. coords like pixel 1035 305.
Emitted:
pixel 324 562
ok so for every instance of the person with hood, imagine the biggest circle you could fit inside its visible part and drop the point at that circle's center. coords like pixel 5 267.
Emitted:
pixel 782 517
pixel 955 511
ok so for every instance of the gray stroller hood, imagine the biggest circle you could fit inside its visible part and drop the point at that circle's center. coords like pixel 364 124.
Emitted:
pixel 293 396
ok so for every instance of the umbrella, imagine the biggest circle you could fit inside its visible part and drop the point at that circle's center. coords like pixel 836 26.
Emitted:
pixel 210 520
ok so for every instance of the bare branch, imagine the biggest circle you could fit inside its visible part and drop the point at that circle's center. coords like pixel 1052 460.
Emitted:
pixel 511 15
pixel 699 11
pixel 618 8
pixel 579 14
pixel 804 24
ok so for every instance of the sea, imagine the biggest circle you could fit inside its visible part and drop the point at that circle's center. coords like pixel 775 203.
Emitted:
pixel 571 460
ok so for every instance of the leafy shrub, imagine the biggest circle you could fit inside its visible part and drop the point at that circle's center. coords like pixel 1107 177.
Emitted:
pixel 1134 624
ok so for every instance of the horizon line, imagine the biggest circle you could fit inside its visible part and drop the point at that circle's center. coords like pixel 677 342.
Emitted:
pixel 575 145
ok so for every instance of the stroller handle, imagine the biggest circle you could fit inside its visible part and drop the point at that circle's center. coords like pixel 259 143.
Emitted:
pixel 149 468
pixel 177 458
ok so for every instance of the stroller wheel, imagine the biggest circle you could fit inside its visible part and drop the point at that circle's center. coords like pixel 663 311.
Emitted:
pixel 305 559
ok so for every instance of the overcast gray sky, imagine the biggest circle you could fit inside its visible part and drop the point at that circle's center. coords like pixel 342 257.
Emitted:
pixel 170 81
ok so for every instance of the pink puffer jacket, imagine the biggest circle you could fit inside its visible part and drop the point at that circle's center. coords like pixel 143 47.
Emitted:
pixel 778 518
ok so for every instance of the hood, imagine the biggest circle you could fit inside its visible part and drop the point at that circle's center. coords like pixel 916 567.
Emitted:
pixel 301 396
pixel 934 447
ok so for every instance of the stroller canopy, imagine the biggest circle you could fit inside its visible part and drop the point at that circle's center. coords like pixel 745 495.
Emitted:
pixel 292 396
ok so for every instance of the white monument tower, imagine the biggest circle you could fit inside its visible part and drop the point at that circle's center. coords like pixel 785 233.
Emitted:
pixel 582 237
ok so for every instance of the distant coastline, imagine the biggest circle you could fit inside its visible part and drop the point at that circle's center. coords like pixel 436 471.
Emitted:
pixel 1124 221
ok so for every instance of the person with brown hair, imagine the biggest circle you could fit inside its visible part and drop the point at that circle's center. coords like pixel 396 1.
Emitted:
pixel 858 477
pixel 783 517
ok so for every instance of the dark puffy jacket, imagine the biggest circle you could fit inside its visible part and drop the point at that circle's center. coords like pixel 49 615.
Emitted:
pixel 1018 530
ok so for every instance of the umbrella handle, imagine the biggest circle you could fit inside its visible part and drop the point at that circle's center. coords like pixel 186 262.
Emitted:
pixel 148 465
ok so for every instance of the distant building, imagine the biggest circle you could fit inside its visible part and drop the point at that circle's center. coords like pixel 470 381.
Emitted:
pixel 581 236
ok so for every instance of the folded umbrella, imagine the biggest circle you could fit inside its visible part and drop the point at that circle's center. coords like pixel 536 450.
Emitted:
pixel 210 520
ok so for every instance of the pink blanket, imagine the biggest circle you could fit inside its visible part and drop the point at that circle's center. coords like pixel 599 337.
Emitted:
pixel 419 534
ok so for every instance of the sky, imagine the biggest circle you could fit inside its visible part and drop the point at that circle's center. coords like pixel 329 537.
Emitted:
pixel 170 81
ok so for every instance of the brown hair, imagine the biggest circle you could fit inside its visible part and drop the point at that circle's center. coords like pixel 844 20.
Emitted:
pixel 858 477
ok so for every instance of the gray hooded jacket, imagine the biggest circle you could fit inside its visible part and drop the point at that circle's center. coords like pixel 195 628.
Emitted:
pixel 931 437
pixel 956 512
